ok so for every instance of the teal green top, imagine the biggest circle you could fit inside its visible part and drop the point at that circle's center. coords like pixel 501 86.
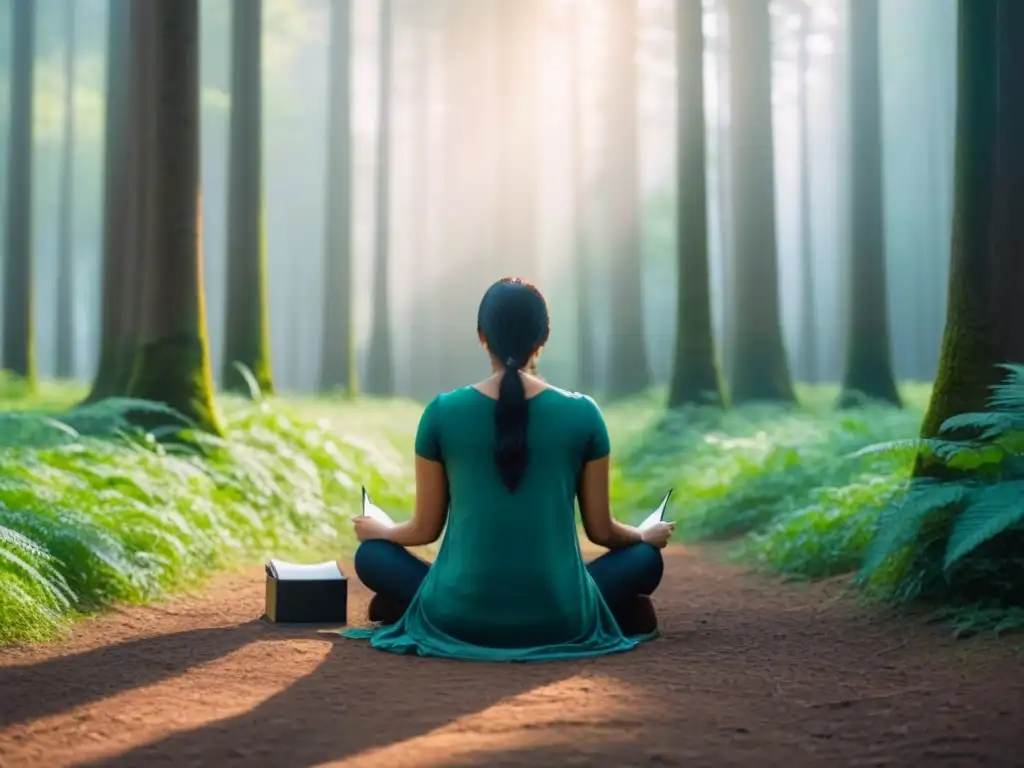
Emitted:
pixel 509 582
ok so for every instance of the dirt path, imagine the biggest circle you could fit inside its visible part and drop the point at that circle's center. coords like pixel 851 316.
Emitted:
pixel 748 673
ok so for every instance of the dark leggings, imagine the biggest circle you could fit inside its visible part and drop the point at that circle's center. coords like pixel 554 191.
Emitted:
pixel 395 573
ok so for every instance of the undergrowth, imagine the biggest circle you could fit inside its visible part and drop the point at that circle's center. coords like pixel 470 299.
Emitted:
pixel 956 539
pixel 781 477
pixel 92 510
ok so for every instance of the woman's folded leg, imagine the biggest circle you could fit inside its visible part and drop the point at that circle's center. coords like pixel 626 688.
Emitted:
pixel 626 578
pixel 392 573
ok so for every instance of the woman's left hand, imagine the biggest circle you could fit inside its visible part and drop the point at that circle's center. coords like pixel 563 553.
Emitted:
pixel 367 528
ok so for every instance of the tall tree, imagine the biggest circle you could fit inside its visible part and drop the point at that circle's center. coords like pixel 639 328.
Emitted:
pixel 808 308
pixel 629 369
pixel 337 355
pixel 985 316
pixel 868 371
pixel 695 377
pixel 172 364
pixel 380 376
pixel 115 354
pixel 517 127
pixel 19 334
pixel 586 362
pixel 760 368
pixel 65 250
pixel 723 171
pixel 247 341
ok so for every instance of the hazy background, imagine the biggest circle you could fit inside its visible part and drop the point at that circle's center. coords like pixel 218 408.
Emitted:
pixel 427 261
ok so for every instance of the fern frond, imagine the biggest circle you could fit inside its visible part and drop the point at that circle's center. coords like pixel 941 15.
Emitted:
pixel 991 510
pixel 899 523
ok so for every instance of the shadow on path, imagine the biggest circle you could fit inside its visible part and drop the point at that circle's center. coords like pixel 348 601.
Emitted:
pixel 56 685
pixel 357 699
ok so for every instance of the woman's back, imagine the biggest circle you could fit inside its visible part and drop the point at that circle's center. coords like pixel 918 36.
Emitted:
pixel 509 582
pixel 510 572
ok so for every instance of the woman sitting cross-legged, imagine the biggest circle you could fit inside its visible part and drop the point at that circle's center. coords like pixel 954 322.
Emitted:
pixel 503 462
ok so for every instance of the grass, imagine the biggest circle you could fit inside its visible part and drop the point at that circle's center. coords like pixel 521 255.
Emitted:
pixel 92 511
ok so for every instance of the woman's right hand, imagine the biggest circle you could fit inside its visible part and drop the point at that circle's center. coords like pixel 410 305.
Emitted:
pixel 658 534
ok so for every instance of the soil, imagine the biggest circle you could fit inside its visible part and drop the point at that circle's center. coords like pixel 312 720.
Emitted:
pixel 748 672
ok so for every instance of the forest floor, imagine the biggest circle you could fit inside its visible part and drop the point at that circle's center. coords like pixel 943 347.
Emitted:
pixel 748 672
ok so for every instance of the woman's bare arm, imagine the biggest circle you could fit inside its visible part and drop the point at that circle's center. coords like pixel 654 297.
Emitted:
pixel 595 507
pixel 431 507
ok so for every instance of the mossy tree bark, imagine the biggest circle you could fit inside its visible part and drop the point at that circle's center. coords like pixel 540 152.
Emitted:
pixel 695 376
pixel 985 317
pixel 337 354
pixel 760 370
pixel 114 356
pixel 247 338
pixel 586 362
pixel 172 364
pixel 19 334
pixel 629 370
pixel 808 309
pixel 380 376
pixel 868 372
pixel 65 248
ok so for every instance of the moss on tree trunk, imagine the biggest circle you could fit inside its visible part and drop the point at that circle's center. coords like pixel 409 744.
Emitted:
pixel 172 365
pixel 695 377
pixel 247 340
pixel 985 317
pixel 868 372
pixel 629 367
pixel 337 355
pixel 760 370
pixel 19 334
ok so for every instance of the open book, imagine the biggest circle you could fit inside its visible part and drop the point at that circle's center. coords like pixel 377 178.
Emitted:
pixel 372 510
pixel 329 571
pixel 285 571
pixel 658 515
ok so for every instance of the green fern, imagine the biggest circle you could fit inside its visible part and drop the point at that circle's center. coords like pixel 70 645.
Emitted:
pixel 899 523
pixel 991 510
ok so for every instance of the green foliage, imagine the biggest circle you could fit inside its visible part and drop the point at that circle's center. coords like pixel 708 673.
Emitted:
pixel 782 475
pixel 94 510
pixel 956 537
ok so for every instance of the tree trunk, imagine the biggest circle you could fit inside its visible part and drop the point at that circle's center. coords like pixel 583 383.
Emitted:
pixel 695 378
pixel 517 129
pixel 760 368
pixel 723 169
pixel 420 357
pixel 116 256
pixel 19 334
pixel 65 309
pixel 586 363
pixel 985 317
pixel 380 376
pixel 808 309
pixel 173 360
pixel 629 371
pixel 247 341
pixel 868 371
pixel 337 356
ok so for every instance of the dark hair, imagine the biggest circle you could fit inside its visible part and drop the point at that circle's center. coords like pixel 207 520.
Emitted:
pixel 513 320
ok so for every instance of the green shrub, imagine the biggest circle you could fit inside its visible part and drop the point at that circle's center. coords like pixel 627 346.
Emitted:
pixel 92 510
